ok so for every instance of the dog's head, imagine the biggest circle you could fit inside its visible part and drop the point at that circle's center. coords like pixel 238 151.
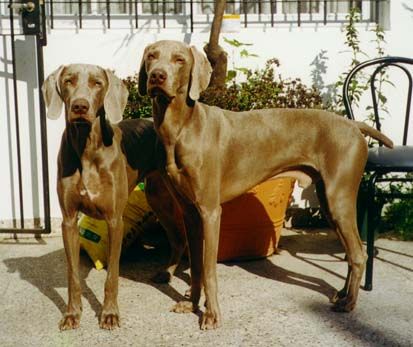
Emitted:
pixel 172 68
pixel 84 89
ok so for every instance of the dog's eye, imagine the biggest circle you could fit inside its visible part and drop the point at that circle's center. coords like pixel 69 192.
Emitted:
pixel 151 56
pixel 180 60
pixel 67 82
pixel 98 83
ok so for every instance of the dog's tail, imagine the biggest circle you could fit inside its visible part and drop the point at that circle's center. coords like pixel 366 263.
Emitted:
pixel 374 133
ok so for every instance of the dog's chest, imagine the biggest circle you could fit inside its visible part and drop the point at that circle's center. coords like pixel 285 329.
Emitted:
pixel 93 193
pixel 182 174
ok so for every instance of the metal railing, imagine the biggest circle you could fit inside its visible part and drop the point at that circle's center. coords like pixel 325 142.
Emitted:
pixel 19 225
pixel 196 13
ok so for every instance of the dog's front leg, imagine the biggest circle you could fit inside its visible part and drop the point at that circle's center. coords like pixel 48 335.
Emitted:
pixel 109 318
pixel 211 218
pixel 71 318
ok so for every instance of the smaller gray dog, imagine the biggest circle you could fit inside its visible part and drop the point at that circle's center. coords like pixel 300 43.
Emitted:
pixel 99 164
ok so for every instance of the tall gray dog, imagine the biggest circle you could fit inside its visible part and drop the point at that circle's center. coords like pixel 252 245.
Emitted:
pixel 213 155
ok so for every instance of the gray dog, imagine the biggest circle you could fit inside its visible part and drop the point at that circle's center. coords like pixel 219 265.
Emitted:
pixel 214 155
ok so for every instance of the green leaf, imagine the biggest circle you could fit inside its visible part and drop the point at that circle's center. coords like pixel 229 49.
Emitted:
pixel 234 42
pixel 244 70
pixel 231 74
pixel 244 53
pixel 382 98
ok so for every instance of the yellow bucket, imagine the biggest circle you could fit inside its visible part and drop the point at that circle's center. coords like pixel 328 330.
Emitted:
pixel 94 232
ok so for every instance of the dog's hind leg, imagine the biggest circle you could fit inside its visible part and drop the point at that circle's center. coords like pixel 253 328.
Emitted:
pixel 342 207
pixel 320 189
pixel 177 242
pixel 171 219
pixel 195 243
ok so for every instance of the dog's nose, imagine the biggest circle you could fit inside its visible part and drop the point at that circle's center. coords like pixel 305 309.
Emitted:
pixel 158 77
pixel 80 106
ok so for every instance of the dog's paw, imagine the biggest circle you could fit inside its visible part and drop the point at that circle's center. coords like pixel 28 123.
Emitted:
pixel 162 277
pixel 184 307
pixel 69 321
pixel 338 295
pixel 344 305
pixel 109 320
pixel 210 320
pixel 187 293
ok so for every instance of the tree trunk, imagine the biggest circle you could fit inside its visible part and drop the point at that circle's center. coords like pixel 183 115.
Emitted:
pixel 216 55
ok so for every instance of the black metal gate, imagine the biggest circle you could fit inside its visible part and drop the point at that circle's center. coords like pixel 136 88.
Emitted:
pixel 26 22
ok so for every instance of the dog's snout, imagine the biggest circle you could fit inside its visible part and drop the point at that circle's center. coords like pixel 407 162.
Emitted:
pixel 80 106
pixel 158 77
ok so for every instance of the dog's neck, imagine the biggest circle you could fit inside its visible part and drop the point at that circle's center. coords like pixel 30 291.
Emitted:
pixel 74 141
pixel 170 116
pixel 72 147
pixel 78 135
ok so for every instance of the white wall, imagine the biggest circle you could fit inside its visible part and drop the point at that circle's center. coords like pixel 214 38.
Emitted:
pixel 121 49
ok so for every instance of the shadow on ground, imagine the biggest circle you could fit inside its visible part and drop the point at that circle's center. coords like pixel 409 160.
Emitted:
pixel 302 247
pixel 366 334
pixel 48 272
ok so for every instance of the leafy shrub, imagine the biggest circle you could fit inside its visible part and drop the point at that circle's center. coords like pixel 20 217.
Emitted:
pixel 137 106
pixel 261 89
pixel 398 218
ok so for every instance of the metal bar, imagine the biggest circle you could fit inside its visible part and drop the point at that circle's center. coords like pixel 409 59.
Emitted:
pixel 374 97
pixel 368 285
pixel 377 11
pixel 16 112
pixel 43 136
pixel 394 179
pixel 108 12
pixel 325 12
pixel 303 7
pixel 409 102
pixel 191 15
pixel 299 12
pixel 395 195
pixel 164 13
pixel 43 38
pixel 22 230
pixel 244 8
pixel 51 15
pixel 272 11
pixel 80 14
pixel 136 14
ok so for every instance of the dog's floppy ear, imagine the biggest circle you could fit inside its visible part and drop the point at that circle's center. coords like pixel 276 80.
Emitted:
pixel 116 98
pixel 200 74
pixel 51 94
pixel 143 77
